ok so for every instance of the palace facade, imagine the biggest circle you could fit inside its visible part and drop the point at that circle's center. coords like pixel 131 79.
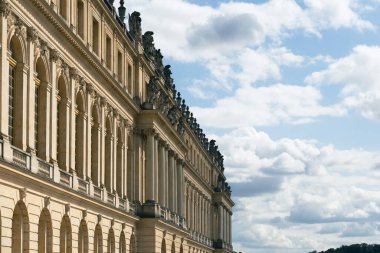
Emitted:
pixel 98 151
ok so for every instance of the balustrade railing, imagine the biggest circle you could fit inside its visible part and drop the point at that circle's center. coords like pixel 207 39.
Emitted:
pixel 66 178
pixel 110 198
pixel 98 192
pixel 82 185
pixel 132 208
pixel 21 158
pixel 45 169
pixel 122 203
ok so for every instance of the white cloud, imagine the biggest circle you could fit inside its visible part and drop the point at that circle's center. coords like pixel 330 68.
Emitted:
pixel 332 198
pixel 266 106
pixel 185 31
pixel 358 73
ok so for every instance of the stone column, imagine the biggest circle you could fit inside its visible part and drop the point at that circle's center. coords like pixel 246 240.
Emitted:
pixel 180 188
pixel 53 105
pixel 161 173
pixel 175 188
pixel 28 96
pixel 74 78
pixel 44 97
pixel 102 141
pixel 125 160
pixel 230 228
pixel 150 164
pixel 4 77
pixel 114 151
pixel 221 221
pixel 88 132
pixel 155 168
pixel 166 174
pixel 171 181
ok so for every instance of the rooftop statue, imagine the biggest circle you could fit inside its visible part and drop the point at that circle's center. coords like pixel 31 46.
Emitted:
pixel 149 49
pixel 167 76
pixel 158 61
pixel 134 22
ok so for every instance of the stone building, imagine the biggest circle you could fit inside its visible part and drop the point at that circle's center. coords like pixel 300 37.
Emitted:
pixel 98 151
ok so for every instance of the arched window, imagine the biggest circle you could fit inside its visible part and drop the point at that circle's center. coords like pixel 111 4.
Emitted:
pixel 98 239
pixel 181 249
pixel 163 246
pixel 111 242
pixel 95 137
pixel 132 244
pixel 122 245
pixel 79 135
pixel 119 163
pixel 108 161
pixel 62 151
pixel 173 248
pixel 20 229
pixel 83 237
pixel 65 235
pixel 15 96
pixel 45 232
pixel 40 97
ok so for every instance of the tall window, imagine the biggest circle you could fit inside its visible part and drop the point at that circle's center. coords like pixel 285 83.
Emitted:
pixel 98 240
pixel 40 105
pixel 120 66
pixel 45 233
pixel 37 83
pixel 95 36
pixel 65 235
pixel 15 93
pixel 129 78
pixel 83 237
pixel 80 18
pixel 108 52
pixel 61 124
pixel 20 229
pixel 11 96
pixel 95 146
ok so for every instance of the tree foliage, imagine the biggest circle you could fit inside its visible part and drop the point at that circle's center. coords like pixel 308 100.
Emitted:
pixel 354 248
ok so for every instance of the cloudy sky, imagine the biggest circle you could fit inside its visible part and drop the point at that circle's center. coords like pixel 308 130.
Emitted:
pixel 290 89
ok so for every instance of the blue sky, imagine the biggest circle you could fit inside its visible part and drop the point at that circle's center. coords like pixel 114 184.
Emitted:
pixel 290 90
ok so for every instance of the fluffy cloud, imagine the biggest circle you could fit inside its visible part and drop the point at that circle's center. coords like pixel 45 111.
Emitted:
pixel 266 106
pixel 327 196
pixel 185 30
pixel 358 75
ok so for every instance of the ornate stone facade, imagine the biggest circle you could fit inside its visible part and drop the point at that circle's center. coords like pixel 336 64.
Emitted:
pixel 98 151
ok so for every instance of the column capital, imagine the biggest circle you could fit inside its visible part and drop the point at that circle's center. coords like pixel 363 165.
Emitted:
pixel 181 162
pixel 149 132
pixel 5 8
